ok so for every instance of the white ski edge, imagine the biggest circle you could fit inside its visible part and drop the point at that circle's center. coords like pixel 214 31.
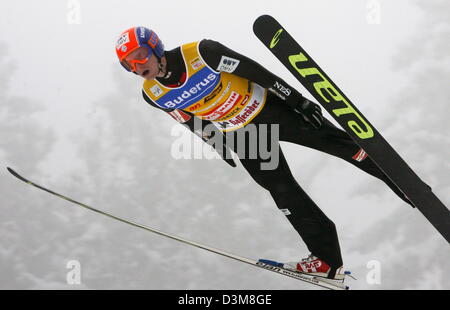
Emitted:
pixel 302 277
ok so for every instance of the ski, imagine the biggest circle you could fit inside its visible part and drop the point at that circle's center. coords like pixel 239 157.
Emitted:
pixel 325 283
pixel 322 88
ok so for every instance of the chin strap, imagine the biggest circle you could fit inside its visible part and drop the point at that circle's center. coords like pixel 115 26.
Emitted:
pixel 160 67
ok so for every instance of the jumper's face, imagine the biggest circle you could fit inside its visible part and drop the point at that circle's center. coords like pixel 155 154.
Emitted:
pixel 142 62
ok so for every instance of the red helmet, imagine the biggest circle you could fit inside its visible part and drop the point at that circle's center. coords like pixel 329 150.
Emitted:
pixel 133 38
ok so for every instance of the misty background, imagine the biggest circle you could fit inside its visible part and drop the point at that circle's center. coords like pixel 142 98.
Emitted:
pixel 73 120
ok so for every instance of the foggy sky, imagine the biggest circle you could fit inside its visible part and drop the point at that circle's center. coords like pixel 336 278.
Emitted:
pixel 73 120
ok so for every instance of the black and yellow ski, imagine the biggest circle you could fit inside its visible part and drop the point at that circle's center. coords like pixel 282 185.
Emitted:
pixel 322 88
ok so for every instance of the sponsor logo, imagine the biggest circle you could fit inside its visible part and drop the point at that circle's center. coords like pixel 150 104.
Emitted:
pixel 224 108
pixel 142 32
pixel 194 107
pixel 312 267
pixel 244 102
pixel 214 93
pixel 326 89
pixel 180 116
pixel 248 111
pixel 234 97
pixel 360 156
pixel 282 89
pixel 231 114
pixel 218 100
pixel 228 64
pixel 153 40
pixel 189 93
pixel 196 63
pixel 244 112
pixel 156 90
pixel 124 39
pixel 275 38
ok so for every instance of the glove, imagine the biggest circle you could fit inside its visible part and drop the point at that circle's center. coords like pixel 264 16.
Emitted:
pixel 188 121
pixel 310 111
pixel 229 161
pixel 223 150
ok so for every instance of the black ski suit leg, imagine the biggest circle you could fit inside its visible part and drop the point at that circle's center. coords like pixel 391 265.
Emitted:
pixel 315 228
pixel 328 139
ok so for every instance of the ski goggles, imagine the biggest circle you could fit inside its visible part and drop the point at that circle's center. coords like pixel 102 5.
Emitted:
pixel 141 57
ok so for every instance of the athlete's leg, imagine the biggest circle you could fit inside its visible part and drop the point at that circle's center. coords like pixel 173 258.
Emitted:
pixel 328 139
pixel 315 228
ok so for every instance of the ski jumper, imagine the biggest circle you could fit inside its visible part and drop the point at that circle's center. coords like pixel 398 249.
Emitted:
pixel 209 81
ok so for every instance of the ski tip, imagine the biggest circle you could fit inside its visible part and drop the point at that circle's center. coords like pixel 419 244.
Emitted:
pixel 11 171
pixel 15 174
pixel 264 16
pixel 261 20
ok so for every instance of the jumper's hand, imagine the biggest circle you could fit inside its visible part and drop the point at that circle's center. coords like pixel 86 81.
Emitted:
pixel 221 148
pixel 310 111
